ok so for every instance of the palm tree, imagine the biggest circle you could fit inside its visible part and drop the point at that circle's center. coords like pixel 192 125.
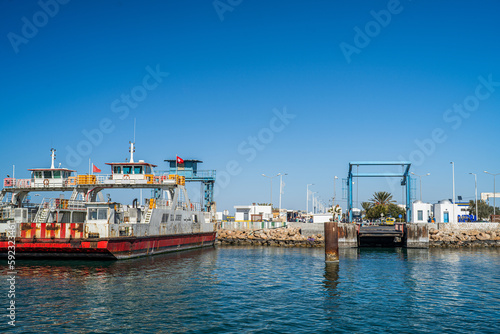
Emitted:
pixel 366 206
pixel 382 198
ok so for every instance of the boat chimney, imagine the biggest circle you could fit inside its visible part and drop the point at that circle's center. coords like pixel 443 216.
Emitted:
pixel 132 150
pixel 53 157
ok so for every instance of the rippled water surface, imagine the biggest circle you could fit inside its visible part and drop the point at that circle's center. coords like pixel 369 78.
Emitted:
pixel 263 290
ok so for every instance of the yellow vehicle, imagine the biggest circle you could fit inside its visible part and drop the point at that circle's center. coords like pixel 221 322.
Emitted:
pixel 390 221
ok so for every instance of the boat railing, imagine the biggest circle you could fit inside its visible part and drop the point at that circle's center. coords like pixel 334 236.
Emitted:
pixel 163 204
pixel 61 203
pixel 193 206
pixel 100 179
pixel 11 182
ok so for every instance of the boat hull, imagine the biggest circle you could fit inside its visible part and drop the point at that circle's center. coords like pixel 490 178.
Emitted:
pixel 107 248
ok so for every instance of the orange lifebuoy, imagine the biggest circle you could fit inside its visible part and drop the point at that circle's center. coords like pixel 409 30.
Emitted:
pixel 46 182
pixel 126 177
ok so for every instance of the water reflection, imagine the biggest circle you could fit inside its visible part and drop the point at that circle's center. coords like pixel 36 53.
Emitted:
pixel 417 254
pixel 85 292
pixel 331 276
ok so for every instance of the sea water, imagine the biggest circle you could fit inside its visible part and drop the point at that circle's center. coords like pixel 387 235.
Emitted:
pixel 262 290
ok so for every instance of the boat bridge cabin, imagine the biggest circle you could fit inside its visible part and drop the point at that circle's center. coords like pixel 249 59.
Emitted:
pixel 131 170
pixel 53 177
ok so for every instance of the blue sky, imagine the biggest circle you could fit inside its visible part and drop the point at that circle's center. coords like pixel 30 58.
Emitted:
pixel 223 71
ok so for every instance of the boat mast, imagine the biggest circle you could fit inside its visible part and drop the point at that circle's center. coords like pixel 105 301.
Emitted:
pixel 131 150
pixel 53 157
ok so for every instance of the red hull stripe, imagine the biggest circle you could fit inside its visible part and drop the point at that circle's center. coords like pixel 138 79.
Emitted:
pixel 42 230
pixel 62 235
pixel 123 247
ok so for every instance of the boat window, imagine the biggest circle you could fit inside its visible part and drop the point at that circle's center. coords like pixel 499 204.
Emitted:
pixel 148 170
pixel 57 174
pixel 47 174
pixel 127 170
pixel 117 169
pixel 38 175
pixel 138 170
pixel 92 214
pixel 164 218
pixel 102 214
pixel 178 218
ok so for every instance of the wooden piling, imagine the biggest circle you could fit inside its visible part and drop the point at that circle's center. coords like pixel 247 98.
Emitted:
pixel 331 242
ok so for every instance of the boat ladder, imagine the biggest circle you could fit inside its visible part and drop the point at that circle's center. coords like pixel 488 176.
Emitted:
pixel 147 219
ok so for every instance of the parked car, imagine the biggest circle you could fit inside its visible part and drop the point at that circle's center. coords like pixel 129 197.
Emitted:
pixel 390 221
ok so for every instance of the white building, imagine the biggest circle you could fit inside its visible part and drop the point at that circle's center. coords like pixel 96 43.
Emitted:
pixel 420 212
pixel 444 212
pixel 252 213
pixel 322 217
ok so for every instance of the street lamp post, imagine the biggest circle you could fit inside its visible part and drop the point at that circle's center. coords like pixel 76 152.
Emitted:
pixel 475 187
pixel 420 177
pixel 453 200
pixel 307 197
pixel 271 178
pixel 281 187
pixel 334 191
pixel 494 189
pixel 314 192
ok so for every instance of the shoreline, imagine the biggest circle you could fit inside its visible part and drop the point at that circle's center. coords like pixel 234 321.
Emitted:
pixel 293 236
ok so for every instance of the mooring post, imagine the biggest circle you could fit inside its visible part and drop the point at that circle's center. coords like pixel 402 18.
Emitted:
pixel 331 241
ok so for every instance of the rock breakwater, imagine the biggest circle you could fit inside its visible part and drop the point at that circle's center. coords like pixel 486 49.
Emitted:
pixel 279 237
pixel 464 238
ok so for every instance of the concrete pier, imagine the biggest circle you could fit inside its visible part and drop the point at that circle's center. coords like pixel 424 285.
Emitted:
pixel 348 235
pixel 417 235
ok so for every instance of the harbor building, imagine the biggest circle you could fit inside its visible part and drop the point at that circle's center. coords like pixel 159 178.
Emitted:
pixel 421 212
pixel 254 213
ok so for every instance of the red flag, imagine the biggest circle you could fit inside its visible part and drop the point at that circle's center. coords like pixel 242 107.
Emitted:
pixel 180 160
pixel 95 169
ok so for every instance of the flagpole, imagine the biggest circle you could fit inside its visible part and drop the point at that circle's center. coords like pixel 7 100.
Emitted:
pixel 89 165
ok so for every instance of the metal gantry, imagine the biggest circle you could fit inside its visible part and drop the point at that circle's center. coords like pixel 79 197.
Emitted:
pixel 189 169
pixel 405 181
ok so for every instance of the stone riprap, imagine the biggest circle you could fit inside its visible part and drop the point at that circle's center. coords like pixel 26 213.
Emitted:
pixel 279 237
pixel 449 237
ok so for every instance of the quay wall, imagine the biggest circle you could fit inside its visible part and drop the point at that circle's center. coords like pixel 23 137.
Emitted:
pixel 312 235
pixel 294 235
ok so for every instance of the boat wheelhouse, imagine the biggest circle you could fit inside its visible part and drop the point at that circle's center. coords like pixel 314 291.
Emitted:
pixel 132 171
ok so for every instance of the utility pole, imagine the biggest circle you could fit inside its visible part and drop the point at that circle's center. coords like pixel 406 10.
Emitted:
pixel 271 178
pixel 281 187
pixel 453 201
pixel 420 177
pixel 334 190
pixel 475 187
pixel 494 190
pixel 307 197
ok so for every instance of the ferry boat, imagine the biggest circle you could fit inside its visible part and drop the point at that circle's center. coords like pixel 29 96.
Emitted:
pixel 88 226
